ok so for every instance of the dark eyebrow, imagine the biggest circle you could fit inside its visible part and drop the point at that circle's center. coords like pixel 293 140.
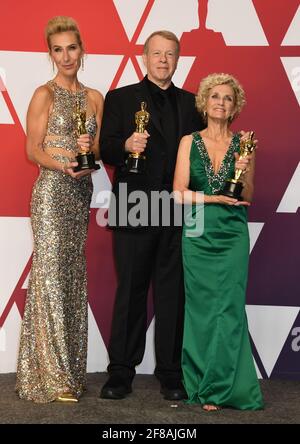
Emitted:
pixel 68 46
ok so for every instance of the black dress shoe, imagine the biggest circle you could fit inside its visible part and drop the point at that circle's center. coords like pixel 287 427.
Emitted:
pixel 173 390
pixel 115 388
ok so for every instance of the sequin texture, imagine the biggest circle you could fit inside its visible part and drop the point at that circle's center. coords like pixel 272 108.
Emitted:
pixel 53 346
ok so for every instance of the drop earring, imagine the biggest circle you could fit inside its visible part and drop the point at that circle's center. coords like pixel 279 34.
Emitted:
pixel 82 64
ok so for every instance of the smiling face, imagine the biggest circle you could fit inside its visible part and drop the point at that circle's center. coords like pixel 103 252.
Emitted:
pixel 220 103
pixel 161 60
pixel 66 52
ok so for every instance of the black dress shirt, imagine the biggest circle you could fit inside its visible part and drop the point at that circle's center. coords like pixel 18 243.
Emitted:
pixel 166 105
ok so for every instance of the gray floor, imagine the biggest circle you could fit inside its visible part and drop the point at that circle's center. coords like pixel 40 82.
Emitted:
pixel 146 406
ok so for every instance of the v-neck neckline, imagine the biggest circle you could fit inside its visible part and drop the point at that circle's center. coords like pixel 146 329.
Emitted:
pixel 216 181
pixel 224 157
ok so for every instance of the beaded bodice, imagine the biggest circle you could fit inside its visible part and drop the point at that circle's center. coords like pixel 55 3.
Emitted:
pixel 61 123
pixel 202 175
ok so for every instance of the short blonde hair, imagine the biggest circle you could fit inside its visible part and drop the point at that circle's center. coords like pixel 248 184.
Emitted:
pixel 59 24
pixel 166 35
pixel 215 79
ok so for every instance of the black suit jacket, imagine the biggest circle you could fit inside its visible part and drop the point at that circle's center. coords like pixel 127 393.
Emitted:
pixel 119 123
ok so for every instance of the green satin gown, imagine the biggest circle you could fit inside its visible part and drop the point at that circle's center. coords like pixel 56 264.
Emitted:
pixel 217 362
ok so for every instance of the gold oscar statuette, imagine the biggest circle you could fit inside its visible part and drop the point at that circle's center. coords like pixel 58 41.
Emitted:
pixel 136 162
pixel 234 187
pixel 85 158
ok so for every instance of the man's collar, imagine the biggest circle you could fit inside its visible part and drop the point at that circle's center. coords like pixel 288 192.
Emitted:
pixel 156 89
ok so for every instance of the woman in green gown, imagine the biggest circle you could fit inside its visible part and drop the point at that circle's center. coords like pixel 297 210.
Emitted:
pixel 217 363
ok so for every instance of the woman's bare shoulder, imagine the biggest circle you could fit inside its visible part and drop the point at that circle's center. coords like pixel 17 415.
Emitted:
pixel 95 95
pixel 43 93
pixel 186 140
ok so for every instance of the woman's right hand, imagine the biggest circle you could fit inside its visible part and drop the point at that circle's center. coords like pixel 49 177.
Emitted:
pixel 242 163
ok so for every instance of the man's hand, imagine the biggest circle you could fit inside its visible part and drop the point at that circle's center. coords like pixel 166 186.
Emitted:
pixel 137 142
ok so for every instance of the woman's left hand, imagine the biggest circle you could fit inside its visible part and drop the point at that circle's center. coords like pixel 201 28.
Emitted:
pixel 68 169
pixel 242 203
pixel 85 141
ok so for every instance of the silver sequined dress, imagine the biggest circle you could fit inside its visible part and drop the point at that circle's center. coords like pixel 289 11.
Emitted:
pixel 53 346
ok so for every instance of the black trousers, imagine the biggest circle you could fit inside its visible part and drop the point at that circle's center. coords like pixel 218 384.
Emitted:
pixel 141 256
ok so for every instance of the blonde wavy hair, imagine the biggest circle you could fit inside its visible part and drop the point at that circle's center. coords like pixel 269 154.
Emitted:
pixel 213 80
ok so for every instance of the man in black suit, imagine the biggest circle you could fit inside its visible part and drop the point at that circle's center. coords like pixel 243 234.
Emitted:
pixel 144 252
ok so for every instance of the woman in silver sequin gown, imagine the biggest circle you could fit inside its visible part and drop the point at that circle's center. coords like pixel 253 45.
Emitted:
pixel 53 346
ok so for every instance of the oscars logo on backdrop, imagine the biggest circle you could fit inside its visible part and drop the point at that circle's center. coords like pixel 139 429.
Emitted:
pixel 206 37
